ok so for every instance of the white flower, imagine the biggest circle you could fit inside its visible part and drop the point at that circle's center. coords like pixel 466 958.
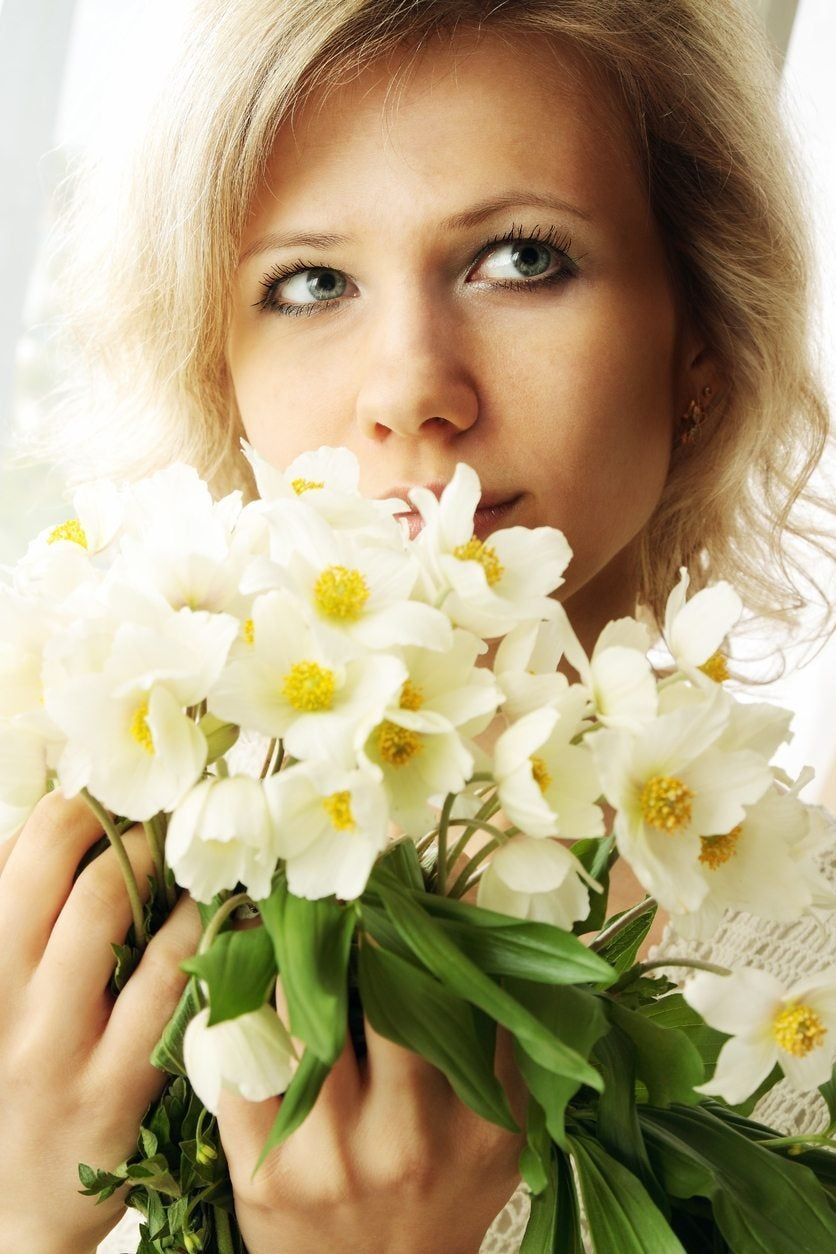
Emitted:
pixel 221 834
pixel 331 826
pixel 526 664
pixel 129 740
pixel 537 879
pixel 281 679
pixel 618 675
pixel 447 689
pixel 251 1056
pixel 355 594
pixel 96 521
pixel 23 776
pixel 487 587
pixel 670 785
pixel 757 866
pixel 326 481
pixel 768 1023
pixel 548 786
pixel 694 630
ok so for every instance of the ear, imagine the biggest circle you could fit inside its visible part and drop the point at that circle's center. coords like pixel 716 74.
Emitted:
pixel 697 367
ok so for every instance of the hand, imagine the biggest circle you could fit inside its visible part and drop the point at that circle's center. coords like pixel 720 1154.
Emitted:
pixel 75 1076
pixel 388 1161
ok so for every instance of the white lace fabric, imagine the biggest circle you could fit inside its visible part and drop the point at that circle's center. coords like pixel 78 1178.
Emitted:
pixel 790 950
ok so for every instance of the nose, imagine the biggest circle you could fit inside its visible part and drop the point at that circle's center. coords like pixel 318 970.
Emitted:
pixel 415 381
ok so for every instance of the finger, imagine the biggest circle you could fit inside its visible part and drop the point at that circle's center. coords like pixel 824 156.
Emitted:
pixel 6 848
pixel 78 960
pixel 245 1126
pixel 393 1071
pixel 38 874
pixel 145 1005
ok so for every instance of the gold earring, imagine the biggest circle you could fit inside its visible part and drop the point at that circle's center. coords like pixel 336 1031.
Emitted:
pixel 691 420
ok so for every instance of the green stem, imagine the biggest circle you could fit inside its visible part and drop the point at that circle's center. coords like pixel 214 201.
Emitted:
pixel 461 885
pixel 626 919
pixel 441 884
pixel 811 1139
pixel 640 968
pixel 220 916
pixel 154 844
pixel 124 865
pixel 222 1231
pixel 160 822
pixel 273 758
pixel 487 811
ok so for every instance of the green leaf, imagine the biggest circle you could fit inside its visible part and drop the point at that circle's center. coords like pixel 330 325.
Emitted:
pixel 821 1161
pixel 622 948
pixel 297 1101
pixel 401 858
pixel 311 941
pixel 597 853
pixel 447 963
pixel 617 1125
pixel 568 1237
pixel 536 1155
pixel 761 1201
pixel 411 1008
pixel 540 1230
pixel 619 1210
pixel 673 1011
pixel 574 1016
pixel 239 968
pixel 127 960
pixel 510 946
pixel 666 1060
pixel 828 1092
pixel 167 1054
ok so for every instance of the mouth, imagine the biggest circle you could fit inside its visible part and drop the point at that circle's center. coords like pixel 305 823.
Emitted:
pixel 490 514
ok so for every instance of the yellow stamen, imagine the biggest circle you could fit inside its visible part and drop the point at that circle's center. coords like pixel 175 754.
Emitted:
pixel 304 485
pixel 715 668
pixel 798 1029
pixel 718 849
pixel 338 808
pixel 539 772
pixel 341 593
pixel 248 631
pixel 666 803
pixel 69 530
pixel 477 551
pixel 140 730
pixel 397 745
pixel 412 697
pixel 309 686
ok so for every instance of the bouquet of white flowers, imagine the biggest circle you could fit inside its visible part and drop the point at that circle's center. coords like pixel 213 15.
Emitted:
pixel 140 637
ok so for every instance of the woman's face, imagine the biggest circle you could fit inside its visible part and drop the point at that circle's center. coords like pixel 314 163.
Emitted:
pixel 402 337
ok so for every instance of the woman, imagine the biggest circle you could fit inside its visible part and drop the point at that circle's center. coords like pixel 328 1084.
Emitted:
pixel 561 241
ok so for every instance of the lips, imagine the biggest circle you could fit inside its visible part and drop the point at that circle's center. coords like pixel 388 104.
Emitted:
pixel 493 509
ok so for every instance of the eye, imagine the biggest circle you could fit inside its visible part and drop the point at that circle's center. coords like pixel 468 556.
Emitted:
pixel 527 260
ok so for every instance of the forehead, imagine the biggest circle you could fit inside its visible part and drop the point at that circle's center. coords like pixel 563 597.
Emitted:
pixel 465 117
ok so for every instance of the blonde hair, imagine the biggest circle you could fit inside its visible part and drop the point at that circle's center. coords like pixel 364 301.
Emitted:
pixel 146 266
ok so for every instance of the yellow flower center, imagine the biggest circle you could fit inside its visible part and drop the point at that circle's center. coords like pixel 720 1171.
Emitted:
pixel 412 697
pixel 477 551
pixel 338 808
pixel 798 1029
pixel 666 803
pixel 341 593
pixel 397 745
pixel 69 530
pixel 304 485
pixel 309 687
pixel 715 668
pixel 140 730
pixel 248 631
pixel 539 772
pixel 718 849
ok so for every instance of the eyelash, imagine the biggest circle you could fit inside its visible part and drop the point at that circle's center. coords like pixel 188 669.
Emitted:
pixel 559 244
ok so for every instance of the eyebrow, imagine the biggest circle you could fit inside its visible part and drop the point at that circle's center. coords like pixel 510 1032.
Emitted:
pixel 274 240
